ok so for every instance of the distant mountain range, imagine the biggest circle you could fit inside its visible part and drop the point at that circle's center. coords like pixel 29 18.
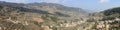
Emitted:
pixel 48 8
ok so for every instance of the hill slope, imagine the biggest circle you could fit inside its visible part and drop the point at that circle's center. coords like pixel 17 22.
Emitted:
pixel 36 16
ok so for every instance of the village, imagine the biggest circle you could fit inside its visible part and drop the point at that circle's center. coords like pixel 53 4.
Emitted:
pixel 108 24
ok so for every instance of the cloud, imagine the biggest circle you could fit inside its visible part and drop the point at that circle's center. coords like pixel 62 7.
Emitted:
pixel 104 1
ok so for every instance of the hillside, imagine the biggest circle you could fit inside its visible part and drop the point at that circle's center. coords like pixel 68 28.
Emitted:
pixel 39 16
pixel 52 8
pixel 111 13
pixel 57 8
pixel 107 20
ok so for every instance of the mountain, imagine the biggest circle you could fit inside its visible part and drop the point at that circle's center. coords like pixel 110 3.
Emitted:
pixel 57 7
pixel 109 19
pixel 112 11
pixel 58 10
pixel 37 16
pixel 53 8
pixel 109 14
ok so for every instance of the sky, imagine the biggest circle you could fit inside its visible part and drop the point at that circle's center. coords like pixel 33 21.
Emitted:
pixel 91 5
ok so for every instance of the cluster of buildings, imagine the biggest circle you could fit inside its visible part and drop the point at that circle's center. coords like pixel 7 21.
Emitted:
pixel 108 25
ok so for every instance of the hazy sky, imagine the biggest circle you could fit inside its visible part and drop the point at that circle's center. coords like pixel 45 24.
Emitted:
pixel 95 5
